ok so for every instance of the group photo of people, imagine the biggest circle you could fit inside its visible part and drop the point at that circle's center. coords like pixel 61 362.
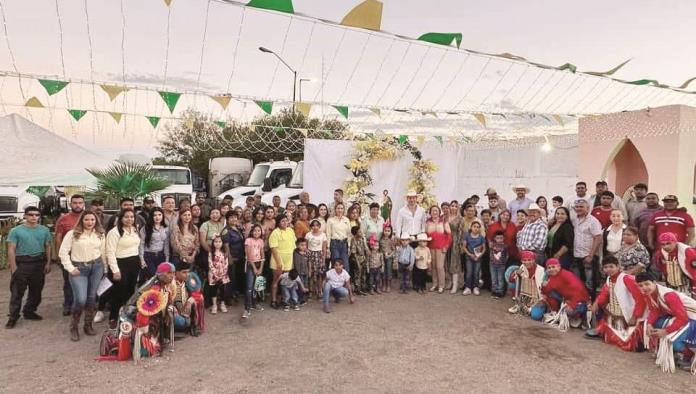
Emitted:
pixel 621 268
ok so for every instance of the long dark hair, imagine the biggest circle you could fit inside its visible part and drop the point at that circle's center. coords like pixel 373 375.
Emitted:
pixel 327 211
pixel 119 222
pixel 150 224
pixel 567 222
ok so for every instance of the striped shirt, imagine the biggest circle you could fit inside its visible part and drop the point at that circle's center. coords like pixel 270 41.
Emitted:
pixel 676 222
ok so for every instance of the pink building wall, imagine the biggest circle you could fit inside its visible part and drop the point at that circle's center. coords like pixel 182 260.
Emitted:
pixel 665 139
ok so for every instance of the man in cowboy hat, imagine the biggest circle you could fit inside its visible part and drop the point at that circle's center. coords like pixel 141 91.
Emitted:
pixel 411 218
pixel 492 193
pixel 533 236
pixel 521 202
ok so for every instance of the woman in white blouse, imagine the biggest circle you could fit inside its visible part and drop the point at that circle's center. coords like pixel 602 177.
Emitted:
pixel 613 235
pixel 82 256
pixel 338 232
pixel 123 258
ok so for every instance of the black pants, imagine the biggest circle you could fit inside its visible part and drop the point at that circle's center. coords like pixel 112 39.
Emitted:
pixel 486 270
pixel 29 273
pixel 123 289
pixel 419 277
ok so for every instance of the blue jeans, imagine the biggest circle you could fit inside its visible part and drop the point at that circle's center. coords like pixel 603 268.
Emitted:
pixel 497 278
pixel 339 292
pixel 84 286
pixel 290 294
pixel 473 271
pixel 388 268
pixel 249 300
pixel 339 250
pixel 683 341
pixel 375 275
pixel 405 277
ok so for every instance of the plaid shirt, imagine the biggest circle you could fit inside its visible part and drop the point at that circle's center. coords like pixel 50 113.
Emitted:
pixel 533 236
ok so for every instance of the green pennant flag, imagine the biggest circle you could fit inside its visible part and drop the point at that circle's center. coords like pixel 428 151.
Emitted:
pixel 403 139
pixel 52 87
pixel 77 114
pixel 170 98
pixel 439 139
pixel 607 73
pixel 570 67
pixel 38 191
pixel 276 5
pixel 154 120
pixel 442 38
pixel 644 82
pixel 221 124
pixel 343 110
pixel 266 106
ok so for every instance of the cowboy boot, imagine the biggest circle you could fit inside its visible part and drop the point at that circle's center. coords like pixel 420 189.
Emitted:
pixel 89 317
pixel 74 322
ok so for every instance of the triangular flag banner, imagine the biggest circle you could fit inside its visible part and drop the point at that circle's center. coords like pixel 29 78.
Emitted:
pixel 610 72
pixel 438 138
pixel 558 119
pixel 224 101
pixel 481 119
pixel 420 140
pixel 510 56
pixel 304 132
pixel 686 83
pixel 33 102
pixel 116 116
pixel 276 5
pixel 403 139
pixel 52 87
pixel 570 67
pixel 154 120
pixel 376 111
pixel 442 38
pixel 221 124
pixel 644 82
pixel 426 113
pixel 113 91
pixel 266 106
pixel 304 108
pixel 366 15
pixel 77 114
pixel 401 110
pixel 170 98
pixel 342 110
pixel 168 2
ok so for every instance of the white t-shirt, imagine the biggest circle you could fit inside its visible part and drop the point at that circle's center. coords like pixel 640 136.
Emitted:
pixel 315 242
pixel 337 280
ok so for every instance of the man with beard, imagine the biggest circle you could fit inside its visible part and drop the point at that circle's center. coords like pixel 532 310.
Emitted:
pixel 643 217
pixel 97 207
pixel 636 202
pixel 64 224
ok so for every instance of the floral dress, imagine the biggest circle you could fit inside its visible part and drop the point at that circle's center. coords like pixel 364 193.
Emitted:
pixel 217 269
pixel 454 254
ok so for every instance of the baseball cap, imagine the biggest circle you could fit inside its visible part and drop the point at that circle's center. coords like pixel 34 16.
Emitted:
pixel 670 197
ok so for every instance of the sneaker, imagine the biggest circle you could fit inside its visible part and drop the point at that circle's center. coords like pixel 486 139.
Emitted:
pixel 223 307
pixel 32 316
pixel 466 292
pixel 480 282
pixel 99 317
pixel 303 303
pixel 476 291
pixel 213 309
pixel 257 307
pixel 286 308
pixel 296 308
pixel 440 290
pixel 246 314
pixel 433 288
pixel 514 309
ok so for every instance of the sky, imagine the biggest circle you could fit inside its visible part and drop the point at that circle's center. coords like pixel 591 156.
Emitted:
pixel 364 70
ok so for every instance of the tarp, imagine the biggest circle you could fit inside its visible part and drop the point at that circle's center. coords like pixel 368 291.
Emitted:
pixel 32 155
pixel 464 169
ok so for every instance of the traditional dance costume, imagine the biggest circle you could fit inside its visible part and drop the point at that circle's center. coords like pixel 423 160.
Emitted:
pixel 679 268
pixel 621 300
pixel 528 292
pixel 566 288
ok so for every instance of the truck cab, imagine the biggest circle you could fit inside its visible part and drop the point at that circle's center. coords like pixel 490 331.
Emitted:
pixel 13 200
pixel 270 175
pixel 181 186
pixel 291 191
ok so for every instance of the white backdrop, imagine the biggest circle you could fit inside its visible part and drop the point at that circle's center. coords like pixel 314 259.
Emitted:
pixel 464 169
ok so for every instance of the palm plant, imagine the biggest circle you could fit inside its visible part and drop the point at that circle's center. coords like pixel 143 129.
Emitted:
pixel 126 179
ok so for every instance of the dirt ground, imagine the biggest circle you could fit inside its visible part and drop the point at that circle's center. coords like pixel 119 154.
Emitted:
pixel 388 343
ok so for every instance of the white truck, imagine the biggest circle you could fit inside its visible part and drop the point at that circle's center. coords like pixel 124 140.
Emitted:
pixel 227 173
pixel 13 200
pixel 181 186
pixel 270 175
pixel 291 191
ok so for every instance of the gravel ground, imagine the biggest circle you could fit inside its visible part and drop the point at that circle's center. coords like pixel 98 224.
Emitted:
pixel 384 343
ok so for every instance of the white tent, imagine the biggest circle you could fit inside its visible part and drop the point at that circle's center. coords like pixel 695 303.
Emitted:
pixel 33 155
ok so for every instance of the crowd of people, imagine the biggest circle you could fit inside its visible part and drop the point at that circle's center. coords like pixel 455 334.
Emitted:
pixel 621 267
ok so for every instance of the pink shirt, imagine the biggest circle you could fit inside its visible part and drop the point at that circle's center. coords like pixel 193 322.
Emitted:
pixel 255 248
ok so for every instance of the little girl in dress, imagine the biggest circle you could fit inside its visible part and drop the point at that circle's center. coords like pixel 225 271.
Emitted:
pixel 217 274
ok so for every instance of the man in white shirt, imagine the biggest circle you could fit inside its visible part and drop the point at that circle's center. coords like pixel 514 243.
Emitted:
pixel 337 284
pixel 411 218
pixel 580 194
pixel 588 239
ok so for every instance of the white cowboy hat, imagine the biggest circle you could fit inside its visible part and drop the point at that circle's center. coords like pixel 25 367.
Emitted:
pixel 520 186
pixel 405 235
pixel 533 207
pixel 422 237
pixel 490 191
pixel 411 194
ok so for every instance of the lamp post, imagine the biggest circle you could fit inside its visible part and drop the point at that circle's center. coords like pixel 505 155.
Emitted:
pixel 294 73
pixel 300 87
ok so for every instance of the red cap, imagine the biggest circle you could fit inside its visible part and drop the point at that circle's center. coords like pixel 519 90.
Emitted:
pixel 527 255
pixel 552 261
pixel 667 238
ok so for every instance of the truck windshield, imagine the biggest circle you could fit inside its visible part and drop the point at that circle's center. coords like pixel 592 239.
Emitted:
pixel 297 177
pixel 175 176
pixel 258 175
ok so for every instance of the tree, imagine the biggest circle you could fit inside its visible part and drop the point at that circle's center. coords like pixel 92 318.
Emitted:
pixel 198 138
pixel 126 179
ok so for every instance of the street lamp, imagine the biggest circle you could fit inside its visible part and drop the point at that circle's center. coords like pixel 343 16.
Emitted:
pixel 294 73
pixel 300 86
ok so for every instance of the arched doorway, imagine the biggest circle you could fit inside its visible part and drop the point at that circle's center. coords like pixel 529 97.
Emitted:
pixel 625 167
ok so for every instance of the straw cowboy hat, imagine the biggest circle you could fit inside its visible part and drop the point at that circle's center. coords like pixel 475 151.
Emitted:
pixel 422 237
pixel 533 207
pixel 520 186
pixel 411 194
pixel 405 235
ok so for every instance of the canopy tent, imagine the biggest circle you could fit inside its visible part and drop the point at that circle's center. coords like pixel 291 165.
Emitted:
pixel 33 155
